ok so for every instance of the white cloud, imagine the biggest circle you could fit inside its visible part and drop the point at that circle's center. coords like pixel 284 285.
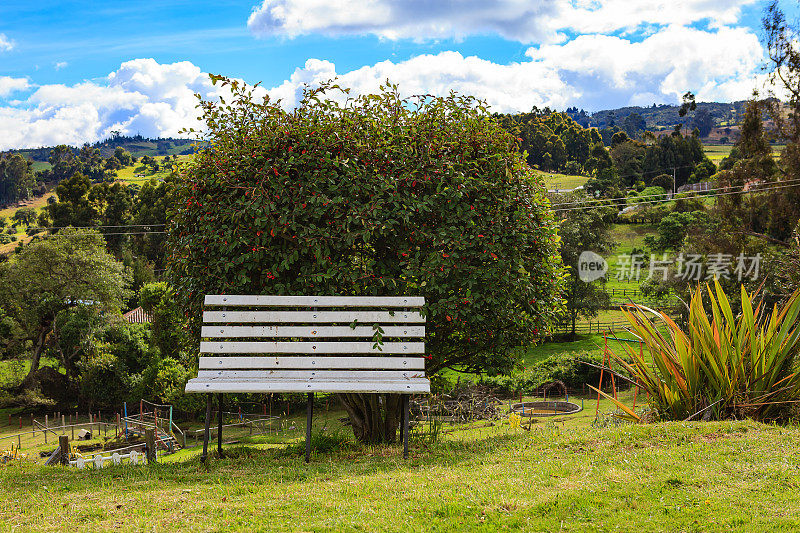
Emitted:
pixel 6 44
pixel 417 19
pixel 518 20
pixel 716 65
pixel 9 85
pixel 590 71
pixel 60 64
pixel 142 96
pixel 513 87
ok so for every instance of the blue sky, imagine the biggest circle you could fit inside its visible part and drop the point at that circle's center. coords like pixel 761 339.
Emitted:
pixel 74 71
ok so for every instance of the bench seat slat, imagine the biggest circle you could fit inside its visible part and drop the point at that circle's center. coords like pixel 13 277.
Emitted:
pixel 313 317
pixel 305 363
pixel 313 301
pixel 309 331
pixel 208 385
pixel 311 347
pixel 355 375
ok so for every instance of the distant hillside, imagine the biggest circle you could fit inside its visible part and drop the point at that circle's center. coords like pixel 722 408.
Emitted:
pixel 138 146
pixel 658 117
pixel 717 121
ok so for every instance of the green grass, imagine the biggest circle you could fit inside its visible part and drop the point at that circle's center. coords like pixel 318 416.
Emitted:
pixel 129 174
pixel 37 204
pixel 562 181
pixel 717 152
pixel 584 343
pixel 557 476
pixel 627 237
pixel 592 343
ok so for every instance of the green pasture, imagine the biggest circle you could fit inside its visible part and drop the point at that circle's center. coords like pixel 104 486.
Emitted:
pixel 139 174
pixel 556 475
pixel 562 181
pixel 716 152
pixel 628 237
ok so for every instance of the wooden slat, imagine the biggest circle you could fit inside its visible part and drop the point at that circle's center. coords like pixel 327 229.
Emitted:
pixel 198 385
pixel 355 375
pixel 313 301
pixel 309 331
pixel 311 347
pixel 322 363
pixel 313 317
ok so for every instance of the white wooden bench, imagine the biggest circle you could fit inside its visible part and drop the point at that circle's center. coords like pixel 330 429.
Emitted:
pixel 308 344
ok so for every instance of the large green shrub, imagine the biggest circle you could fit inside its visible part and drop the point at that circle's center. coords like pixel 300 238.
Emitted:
pixel 568 368
pixel 375 196
pixel 104 382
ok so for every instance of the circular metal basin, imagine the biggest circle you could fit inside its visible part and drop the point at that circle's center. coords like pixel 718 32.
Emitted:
pixel 545 408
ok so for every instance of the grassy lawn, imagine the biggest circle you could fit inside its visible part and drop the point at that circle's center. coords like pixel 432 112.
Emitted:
pixel 561 475
pixel 562 181
pixel 627 237
pixel 138 174
pixel 37 204
pixel 716 152
pixel 584 343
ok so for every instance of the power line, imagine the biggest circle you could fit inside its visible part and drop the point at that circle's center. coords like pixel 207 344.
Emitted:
pixel 751 190
pixel 101 226
pixel 76 235
pixel 659 195
pixel 638 174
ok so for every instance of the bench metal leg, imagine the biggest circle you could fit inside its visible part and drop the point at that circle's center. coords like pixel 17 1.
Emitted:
pixel 309 415
pixel 219 425
pixel 405 425
pixel 209 406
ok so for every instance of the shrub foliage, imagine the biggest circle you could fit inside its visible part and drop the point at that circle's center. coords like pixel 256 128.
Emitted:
pixel 376 195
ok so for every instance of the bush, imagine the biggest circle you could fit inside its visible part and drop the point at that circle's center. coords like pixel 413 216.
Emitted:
pixel 573 168
pixel 131 344
pixel 566 367
pixel 375 196
pixel 104 382
pixel 163 381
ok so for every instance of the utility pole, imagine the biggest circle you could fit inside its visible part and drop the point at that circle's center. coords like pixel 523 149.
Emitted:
pixel 674 189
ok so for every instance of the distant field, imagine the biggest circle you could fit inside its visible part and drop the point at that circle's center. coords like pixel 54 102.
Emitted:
pixel 628 237
pixel 8 212
pixel 129 174
pixel 716 152
pixel 562 181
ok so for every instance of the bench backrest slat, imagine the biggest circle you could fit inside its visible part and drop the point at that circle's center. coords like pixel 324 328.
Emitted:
pixel 314 317
pixel 318 332
pixel 233 300
pixel 307 363
pixel 347 347
pixel 312 374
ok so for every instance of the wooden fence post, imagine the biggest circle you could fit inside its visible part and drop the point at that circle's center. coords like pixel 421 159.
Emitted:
pixel 63 444
pixel 150 443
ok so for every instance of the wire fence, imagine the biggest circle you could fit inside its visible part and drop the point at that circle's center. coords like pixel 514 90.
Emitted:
pixel 45 435
pixel 591 327
pixel 240 425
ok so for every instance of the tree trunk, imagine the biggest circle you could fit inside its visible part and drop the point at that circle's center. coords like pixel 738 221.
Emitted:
pixel 38 349
pixel 375 418
pixel 574 317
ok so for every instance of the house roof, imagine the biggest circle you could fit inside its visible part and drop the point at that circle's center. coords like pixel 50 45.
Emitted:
pixel 137 316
